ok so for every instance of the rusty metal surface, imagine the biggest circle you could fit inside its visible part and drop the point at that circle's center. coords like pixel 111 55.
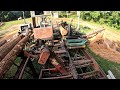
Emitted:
pixel 34 21
pixel 60 51
pixel 76 47
pixel 59 67
pixel 87 63
pixel 80 62
pixel 43 33
pixel 96 66
pixel 17 74
pixel 60 77
pixel 67 65
pixel 44 56
pixel 53 71
pixel 27 54
pixel 89 57
pixel 24 66
pixel 7 62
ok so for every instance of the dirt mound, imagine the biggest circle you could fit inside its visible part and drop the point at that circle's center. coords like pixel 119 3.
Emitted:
pixel 107 45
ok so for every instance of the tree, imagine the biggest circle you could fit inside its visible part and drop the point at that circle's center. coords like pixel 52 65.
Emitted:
pixel 12 15
pixel 95 15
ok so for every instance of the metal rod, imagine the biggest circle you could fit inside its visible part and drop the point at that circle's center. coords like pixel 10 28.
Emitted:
pixel 22 72
pixel 61 77
pixel 19 69
pixel 24 17
pixel 35 75
pixel 78 14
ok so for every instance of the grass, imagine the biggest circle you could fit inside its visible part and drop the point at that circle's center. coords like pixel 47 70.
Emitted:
pixel 85 29
pixel 13 69
pixel 106 65
pixel 98 24
pixel 102 25
pixel 15 22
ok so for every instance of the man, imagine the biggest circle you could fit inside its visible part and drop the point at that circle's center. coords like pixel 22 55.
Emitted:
pixel 43 22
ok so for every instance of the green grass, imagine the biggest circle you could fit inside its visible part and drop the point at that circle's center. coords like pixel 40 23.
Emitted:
pixel 15 22
pixel 106 65
pixel 102 25
pixel 13 69
pixel 97 24
pixel 85 29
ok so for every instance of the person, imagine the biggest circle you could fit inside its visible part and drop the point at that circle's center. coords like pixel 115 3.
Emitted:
pixel 43 21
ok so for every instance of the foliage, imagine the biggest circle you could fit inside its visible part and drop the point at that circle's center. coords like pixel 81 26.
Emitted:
pixel 110 18
pixel 15 22
pixel 12 15
pixel 62 14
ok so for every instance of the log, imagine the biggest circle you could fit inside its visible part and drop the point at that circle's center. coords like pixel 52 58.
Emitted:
pixel 7 47
pixel 3 42
pixel 63 31
pixel 96 31
pixel 8 60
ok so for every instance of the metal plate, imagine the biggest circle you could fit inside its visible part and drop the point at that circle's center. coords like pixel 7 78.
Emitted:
pixel 43 33
pixel 44 56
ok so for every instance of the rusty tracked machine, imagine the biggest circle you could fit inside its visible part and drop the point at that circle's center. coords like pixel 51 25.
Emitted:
pixel 57 48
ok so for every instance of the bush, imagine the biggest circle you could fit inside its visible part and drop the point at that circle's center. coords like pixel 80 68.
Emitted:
pixel 12 15
pixel 101 21
pixel 110 18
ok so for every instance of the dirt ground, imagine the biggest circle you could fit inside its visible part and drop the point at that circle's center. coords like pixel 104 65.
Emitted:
pixel 107 45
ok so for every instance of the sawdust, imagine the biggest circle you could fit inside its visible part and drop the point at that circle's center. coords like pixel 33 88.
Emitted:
pixel 106 44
